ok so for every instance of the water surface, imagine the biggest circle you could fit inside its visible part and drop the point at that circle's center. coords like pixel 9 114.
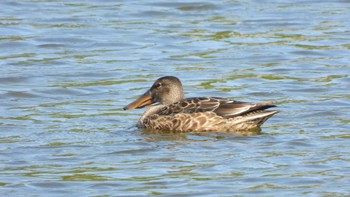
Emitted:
pixel 67 69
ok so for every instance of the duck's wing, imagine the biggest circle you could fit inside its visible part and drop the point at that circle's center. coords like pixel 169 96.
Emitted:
pixel 191 105
pixel 237 108
pixel 220 106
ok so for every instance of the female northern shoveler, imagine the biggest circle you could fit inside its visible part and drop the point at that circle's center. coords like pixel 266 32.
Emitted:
pixel 179 114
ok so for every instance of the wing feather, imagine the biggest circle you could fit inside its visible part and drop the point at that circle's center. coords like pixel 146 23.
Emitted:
pixel 222 107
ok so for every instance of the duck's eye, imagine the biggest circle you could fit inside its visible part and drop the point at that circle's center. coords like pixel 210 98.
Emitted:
pixel 157 85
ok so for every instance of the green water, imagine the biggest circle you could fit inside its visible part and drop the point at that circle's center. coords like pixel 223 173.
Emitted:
pixel 67 69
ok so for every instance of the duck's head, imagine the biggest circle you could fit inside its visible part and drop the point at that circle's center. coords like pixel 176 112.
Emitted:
pixel 165 90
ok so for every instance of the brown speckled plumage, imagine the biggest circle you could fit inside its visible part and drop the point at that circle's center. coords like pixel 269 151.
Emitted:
pixel 203 114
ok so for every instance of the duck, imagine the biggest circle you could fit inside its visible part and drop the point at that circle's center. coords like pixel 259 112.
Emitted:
pixel 170 111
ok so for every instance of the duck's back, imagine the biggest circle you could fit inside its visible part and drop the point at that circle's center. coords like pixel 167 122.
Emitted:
pixel 209 114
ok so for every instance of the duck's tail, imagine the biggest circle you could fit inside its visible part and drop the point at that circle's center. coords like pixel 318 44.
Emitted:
pixel 253 119
pixel 259 117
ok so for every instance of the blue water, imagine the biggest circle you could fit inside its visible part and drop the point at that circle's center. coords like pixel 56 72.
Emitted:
pixel 67 69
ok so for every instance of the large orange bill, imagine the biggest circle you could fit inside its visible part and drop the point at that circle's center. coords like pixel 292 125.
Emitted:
pixel 143 101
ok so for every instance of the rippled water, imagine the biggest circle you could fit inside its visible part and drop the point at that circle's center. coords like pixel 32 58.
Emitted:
pixel 67 69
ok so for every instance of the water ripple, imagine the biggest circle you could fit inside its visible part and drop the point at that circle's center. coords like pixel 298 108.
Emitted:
pixel 68 68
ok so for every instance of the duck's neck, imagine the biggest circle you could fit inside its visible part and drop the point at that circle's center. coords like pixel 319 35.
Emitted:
pixel 152 110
